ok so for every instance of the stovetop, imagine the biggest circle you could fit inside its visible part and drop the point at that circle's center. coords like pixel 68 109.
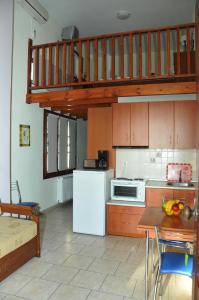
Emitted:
pixel 130 179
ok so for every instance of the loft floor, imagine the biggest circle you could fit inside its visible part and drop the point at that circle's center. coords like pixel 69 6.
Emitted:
pixel 77 266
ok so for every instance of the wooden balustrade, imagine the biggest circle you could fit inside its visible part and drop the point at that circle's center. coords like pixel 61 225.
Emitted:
pixel 140 55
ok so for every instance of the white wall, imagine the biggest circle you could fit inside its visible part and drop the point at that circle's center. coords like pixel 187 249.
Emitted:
pixel 6 34
pixel 27 162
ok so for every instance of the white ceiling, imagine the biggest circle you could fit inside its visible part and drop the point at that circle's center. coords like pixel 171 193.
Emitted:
pixel 99 16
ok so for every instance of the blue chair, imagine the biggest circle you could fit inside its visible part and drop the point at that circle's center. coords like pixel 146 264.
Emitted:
pixel 171 263
pixel 14 186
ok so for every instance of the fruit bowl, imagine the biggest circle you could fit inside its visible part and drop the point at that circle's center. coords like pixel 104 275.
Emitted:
pixel 172 207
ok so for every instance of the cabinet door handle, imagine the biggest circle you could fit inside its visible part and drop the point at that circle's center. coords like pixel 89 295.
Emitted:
pixel 177 139
pixel 170 140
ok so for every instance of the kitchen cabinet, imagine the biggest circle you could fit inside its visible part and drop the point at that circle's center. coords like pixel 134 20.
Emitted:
pixel 185 124
pixel 139 124
pixel 130 124
pixel 121 124
pixel 123 220
pixel 187 196
pixel 172 124
pixel 161 124
pixel 99 133
pixel 155 196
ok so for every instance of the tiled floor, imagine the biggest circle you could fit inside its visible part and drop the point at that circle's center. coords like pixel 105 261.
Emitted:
pixel 78 267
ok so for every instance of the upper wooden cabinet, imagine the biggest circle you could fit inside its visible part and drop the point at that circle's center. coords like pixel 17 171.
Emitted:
pixel 130 124
pixel 140 124
pixel 185 124
pixel 99 133
pixel 121 124
pixel 172 124
pixel 161 124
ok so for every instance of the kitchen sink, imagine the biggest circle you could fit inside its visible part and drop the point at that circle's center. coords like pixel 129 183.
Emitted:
pixel 180 184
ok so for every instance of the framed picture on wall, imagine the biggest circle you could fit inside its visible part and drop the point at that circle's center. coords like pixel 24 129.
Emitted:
pixel 24 135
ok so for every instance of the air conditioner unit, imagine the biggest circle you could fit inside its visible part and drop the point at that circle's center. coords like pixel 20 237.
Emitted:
pixel 35 9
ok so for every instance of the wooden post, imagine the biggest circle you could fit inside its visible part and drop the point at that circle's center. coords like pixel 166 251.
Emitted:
pixel 131 56
pixel 29 70
pixel 168 53
pixel 57 64
pixel 149 54
pixel 43 68
pixel 96 60
pixel 178 51
pixel 87 60
pixel 64 61
pixel 159 53
pixel 50 66
pixel 122 56
pixel 104 58
pixel 113 59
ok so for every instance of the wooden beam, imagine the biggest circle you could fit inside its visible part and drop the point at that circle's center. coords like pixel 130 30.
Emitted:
pixel 115 91
pixel 77 107
pixel 66 103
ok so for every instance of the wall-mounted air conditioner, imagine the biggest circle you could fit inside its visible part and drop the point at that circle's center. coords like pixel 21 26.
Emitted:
pixel 35 9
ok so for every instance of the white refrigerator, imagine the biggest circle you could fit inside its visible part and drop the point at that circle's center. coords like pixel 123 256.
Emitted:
pixel 91 191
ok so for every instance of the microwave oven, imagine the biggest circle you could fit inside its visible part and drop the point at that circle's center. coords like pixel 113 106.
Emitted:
pixel 128 190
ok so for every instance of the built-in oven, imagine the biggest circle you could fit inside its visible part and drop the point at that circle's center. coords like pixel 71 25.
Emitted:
pixel 128 190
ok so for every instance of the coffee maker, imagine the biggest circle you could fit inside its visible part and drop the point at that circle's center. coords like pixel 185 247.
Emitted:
pixel 103 159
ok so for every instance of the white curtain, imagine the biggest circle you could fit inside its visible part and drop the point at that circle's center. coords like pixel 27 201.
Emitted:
pixel 52 123
pixel 63 136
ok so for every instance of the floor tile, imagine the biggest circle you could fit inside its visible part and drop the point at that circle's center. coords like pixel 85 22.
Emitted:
pixel 103 296
pixel 56 257
pixel 34 268
pixel 118 285
pixel 12 298
pixel 13 283
pixel 127 269
pixel 116 254
pixel 60 274
pixel 104 266
pixel 92 251
pixel 86 239
pixel 79 261
pixel 38 289
pixel 87 279
pixel 72 247
pixel 68 292
pixel 106 242
pixel 139 290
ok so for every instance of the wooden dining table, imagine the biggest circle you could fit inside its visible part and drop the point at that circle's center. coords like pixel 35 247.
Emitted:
pixel 174 228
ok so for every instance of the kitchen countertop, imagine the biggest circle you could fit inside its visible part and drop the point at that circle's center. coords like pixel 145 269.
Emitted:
pixel 126 203
pixel 163 184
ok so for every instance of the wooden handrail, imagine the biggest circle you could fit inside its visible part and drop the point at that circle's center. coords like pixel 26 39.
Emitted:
pixel 138 55
pixel 118 34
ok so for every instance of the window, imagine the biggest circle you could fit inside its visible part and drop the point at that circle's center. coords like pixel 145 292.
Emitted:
pixel 59 144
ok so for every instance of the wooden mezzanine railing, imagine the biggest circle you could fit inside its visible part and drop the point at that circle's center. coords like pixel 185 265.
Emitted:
pixel 155 54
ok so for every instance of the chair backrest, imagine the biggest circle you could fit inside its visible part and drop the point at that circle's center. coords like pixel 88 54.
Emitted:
pixel 14 186
pixel 158 244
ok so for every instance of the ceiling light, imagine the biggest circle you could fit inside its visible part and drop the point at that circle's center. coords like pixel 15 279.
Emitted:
pixel 123 14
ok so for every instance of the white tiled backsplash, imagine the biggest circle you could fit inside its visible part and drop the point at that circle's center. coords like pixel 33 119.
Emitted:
pixel 151 163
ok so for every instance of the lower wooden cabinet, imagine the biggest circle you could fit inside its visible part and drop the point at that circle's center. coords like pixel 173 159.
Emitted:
pixel 123 220
pixel 155 196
